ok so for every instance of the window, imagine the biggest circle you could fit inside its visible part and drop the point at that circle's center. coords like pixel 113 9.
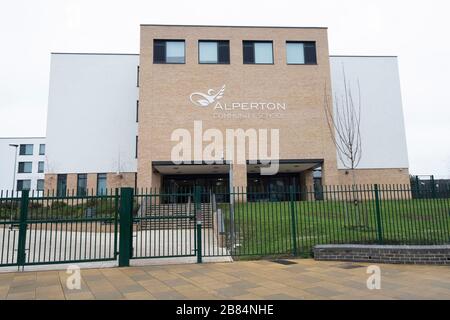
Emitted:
pixel 136 148
pixel 301 52
pixel 137 76
pixel 23 185
pixel 214 51
pixel 41 167
pixel 61 185
pixel 258 52
pixel 40 185
pixel 137 110
pixel 25 167
pixel 101 183
pixel 168 51
pixel 26 150
pixel 42 149
pixel 81 184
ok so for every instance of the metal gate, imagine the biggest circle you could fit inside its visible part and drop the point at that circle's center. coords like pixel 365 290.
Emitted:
pixel 52 229
pixel 165 225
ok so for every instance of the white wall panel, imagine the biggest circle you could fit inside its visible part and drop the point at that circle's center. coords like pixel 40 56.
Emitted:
pixel 91 124
pixel 382 124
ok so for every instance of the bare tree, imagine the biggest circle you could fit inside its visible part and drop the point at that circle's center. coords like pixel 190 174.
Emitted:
pixel 344 122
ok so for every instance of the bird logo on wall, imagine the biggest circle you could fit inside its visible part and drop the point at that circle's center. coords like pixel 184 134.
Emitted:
pixel 205 100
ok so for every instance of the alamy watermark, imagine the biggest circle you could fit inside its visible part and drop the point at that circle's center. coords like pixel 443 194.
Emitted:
pixel 73 281
pixel 374 280
pixel 212 147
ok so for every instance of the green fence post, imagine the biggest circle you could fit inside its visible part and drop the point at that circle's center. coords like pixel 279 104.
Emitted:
pixel 21 255
pixel 198 219
pixel 433 188
pixel 126 226
pixel 378 213
pixel 116 221
pixel 293 220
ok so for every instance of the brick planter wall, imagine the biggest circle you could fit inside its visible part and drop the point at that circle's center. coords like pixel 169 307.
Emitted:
pixel 384 254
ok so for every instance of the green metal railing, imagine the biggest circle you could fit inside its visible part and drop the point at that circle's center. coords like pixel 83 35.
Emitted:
pixel 246 223
pixel 287 221
pixel 49 229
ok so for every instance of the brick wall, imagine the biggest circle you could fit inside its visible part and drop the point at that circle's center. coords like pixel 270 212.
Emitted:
pixel 384 254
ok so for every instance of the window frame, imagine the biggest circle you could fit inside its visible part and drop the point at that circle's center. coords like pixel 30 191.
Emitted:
pixel 84 177
pixel 26 154
pixel 137 111
pixel 23 167
pixel 37 184
pixel 59 191
pixel 21 181
pixel 165 50
pixel 218 53
pixel 253 45
pixel 39 167
pixel 106 183
pixel 41 146
pixel 304 42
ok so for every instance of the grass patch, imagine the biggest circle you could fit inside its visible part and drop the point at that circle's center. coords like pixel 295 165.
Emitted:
pixel 276 228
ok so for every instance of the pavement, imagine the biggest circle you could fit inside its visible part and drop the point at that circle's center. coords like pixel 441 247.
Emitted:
pixel 263 279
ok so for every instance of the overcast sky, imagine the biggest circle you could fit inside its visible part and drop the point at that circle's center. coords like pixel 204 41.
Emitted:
pixel 416 31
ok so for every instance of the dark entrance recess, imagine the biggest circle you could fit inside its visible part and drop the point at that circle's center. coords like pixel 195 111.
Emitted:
pixel 214 183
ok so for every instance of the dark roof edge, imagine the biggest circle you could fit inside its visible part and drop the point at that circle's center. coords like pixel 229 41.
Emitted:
pixel 223 26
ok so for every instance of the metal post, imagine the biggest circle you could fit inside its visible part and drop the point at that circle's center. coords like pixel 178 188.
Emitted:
pixel 232 233
pixel 198 219
pixel 21 255
pixel 378 213
pixel 433 188
pixel 293 220
pixel 126 226
pixel 116 220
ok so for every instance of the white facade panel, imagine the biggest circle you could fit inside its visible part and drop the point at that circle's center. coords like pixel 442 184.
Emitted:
pixel 382 125
pixel 8 165
pixel 91 124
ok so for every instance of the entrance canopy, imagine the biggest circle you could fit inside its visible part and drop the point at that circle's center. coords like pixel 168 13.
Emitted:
pixel 169 168
pixel 285 166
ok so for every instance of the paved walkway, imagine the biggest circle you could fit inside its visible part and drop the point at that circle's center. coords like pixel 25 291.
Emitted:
pixel 306 279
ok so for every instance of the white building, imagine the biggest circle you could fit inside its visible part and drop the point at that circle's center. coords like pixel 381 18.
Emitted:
pixel 22 163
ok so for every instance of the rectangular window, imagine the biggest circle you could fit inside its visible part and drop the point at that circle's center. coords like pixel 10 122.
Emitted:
pixel 137 110
pixel 136 148
pixel 81 184
pixel 61 185
pixel 26 150
pixel 101 183
pixel 41 167
pixel 42 149
pixel 214 52
pixel 137 77
pixel 25 167
pixel 258 52
pixel 40 185
pixel 23 185
pixel 168 51
pixel 301 52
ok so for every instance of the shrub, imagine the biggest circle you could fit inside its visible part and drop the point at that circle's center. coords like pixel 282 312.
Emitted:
pixel 91 203
pixel 59 205
pixel 9 205
pixel 35 205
